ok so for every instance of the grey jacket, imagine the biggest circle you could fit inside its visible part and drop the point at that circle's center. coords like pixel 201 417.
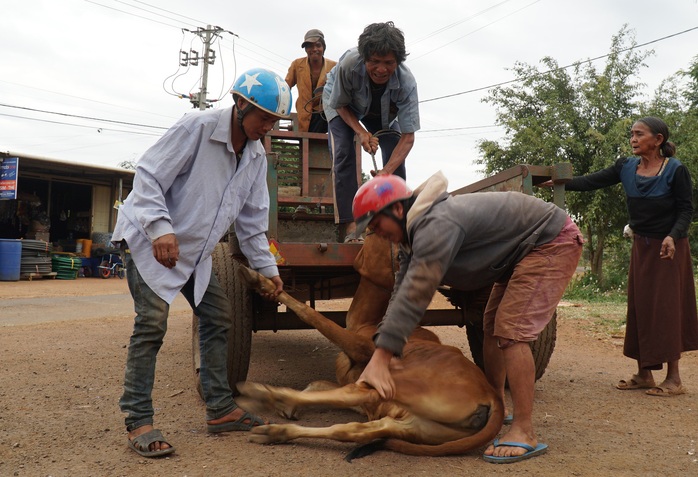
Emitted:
pixel 467 242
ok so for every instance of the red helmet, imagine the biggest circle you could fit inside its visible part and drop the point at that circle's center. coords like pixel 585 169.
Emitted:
pixel 376 195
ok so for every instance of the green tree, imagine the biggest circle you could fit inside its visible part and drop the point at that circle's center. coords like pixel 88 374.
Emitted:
pixel 577 115
pixel 676 102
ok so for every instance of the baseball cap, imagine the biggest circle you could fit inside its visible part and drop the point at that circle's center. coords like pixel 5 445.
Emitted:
pixel 313 36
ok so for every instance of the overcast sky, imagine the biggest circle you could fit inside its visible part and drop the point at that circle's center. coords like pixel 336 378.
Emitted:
pixel 118 60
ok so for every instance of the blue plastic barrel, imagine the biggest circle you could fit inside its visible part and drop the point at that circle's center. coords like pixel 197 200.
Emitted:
pixel 10 259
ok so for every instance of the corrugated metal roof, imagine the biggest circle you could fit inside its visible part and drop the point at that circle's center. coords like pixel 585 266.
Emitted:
pixel 69 170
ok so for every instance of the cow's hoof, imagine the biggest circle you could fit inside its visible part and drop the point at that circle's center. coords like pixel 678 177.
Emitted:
pixel 270 434
pixel 259 397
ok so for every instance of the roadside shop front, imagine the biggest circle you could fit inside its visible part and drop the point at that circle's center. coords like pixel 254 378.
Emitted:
pixel 70 206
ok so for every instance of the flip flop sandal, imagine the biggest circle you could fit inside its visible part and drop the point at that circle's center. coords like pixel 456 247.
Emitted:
pixel 530 452
pixel 663 391
pixel 634 383
pixel 246 422
pixel 353 238
pixel 141 444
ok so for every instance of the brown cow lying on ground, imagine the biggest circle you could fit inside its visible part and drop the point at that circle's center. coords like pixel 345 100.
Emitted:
pixel 443 403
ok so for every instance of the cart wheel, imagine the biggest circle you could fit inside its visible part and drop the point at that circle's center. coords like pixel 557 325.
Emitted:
pixel 542 348
pixel 474 304
pixel 240 334
pixel 104 269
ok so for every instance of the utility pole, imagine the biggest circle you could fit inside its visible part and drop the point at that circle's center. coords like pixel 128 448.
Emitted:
pixel 208 35
pixel 203 104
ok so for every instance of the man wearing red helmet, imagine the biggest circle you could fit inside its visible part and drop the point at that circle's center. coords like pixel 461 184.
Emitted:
pixel 526 247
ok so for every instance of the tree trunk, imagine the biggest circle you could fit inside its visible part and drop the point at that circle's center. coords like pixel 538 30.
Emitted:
pixel 596 256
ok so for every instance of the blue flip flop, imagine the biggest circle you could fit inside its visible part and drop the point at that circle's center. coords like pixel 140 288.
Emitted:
pixel 508 419
pixel 530 452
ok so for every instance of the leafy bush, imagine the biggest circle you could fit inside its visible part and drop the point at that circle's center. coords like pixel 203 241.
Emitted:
pixel 586 286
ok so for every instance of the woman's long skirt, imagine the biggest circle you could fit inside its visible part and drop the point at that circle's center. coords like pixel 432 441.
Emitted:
pixel 662 320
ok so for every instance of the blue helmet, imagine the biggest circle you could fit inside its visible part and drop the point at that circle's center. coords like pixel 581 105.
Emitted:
pixel 266 90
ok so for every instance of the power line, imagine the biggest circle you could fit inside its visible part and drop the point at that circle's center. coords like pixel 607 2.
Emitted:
pixel 86 99
pixel 179 27
pixel 458 129
pixel 78 125
pixel 577 63
pixel 169 11
pixel 82 117
pixel 423 101
pixel 146 10
pixel 133 14
pixel 447 27
pixel 474 31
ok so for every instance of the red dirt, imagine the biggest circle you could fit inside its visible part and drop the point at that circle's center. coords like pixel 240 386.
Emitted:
pixel 61 381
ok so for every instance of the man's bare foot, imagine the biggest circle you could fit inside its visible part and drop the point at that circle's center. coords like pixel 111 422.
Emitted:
pixel 510 451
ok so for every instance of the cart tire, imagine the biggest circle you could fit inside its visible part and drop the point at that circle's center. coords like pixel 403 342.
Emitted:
pixel 104 269
pixel 234 244
pixel 240 333
pixel 542 348
pixel 476 340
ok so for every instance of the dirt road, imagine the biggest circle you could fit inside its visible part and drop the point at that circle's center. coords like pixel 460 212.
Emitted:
pixel 60 382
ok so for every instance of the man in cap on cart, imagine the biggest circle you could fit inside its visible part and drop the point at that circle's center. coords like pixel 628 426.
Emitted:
pixel 308 74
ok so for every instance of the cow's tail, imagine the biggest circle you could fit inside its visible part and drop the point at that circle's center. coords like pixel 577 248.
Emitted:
pixel 459 446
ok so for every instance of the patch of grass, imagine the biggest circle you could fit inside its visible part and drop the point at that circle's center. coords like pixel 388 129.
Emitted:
pixel 587 287
pixel 604 317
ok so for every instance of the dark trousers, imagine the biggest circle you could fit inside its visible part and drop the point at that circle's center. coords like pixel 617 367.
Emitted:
pixel 341 142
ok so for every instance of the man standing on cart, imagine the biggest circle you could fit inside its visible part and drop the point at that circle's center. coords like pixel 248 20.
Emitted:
pixel 206 172
pixel 369 91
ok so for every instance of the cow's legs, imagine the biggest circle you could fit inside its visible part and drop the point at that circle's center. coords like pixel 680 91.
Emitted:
pixel 285 401
pixel 359 348
pixel 407 428
pixel 360 432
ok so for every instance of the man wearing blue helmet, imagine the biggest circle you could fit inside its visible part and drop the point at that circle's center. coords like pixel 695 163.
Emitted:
pixel 203 175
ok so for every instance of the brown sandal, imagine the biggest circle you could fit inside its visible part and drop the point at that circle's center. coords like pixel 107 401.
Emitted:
pixel 635 382
pixel 664 391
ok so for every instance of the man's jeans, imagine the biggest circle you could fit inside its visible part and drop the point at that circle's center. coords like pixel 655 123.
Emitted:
pixel 149 329
pixel 343 153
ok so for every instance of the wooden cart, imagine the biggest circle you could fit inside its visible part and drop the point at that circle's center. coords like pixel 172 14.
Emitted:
pixel 314 265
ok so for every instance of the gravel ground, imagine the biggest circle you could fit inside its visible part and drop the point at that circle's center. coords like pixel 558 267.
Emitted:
pixel 62 370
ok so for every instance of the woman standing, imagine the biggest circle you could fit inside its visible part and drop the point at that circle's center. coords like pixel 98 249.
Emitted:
pixel 661 321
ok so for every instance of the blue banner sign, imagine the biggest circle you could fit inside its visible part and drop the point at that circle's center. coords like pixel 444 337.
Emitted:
pixel 8 177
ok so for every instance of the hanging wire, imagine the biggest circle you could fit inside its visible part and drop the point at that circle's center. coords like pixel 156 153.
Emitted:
pixel 377 134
